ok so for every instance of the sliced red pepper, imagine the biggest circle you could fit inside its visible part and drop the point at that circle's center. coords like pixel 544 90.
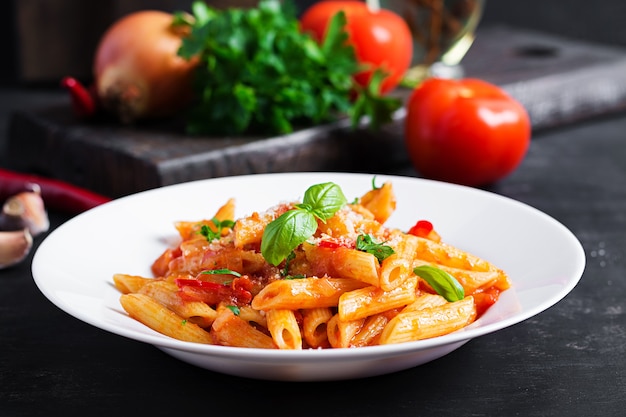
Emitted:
pixel 56 194
pixel 212 293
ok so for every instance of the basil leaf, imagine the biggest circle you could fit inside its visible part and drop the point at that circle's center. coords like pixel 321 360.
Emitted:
pixel 221 272
pixel 323 200
pixel 284 234
pixel 442 282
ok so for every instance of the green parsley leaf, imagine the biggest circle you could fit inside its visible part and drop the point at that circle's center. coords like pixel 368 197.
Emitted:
pixel 259 73
pixel 367 243
pixel 442 282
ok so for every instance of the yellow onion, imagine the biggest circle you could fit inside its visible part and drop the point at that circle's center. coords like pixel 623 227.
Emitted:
pixel 137 72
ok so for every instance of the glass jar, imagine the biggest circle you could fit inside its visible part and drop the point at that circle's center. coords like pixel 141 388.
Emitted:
pixel 443 31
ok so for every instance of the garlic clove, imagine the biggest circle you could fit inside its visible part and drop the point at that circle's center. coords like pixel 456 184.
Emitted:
pixel 14 247
pixel 25 209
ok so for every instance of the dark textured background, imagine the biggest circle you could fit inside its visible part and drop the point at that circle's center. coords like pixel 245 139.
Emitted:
pixel 58 36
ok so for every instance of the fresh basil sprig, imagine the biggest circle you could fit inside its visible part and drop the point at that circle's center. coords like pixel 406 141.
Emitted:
pixel 442 282
pixel 292 228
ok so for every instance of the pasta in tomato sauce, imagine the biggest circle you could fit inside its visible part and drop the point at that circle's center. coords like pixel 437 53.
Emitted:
pixel 318 273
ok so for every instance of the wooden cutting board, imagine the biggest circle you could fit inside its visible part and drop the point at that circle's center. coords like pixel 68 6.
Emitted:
pixel 560 81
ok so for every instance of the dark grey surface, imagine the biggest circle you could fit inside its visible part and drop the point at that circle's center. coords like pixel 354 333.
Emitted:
pixel 566 361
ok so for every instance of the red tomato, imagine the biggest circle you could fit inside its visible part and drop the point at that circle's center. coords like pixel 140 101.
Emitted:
pixel 381 39
pixel 466 131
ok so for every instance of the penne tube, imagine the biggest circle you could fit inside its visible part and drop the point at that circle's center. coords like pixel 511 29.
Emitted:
pixel 429 322
pixel 341 332
pixel 284 329
pixel 425 300
pixel 154 315
pixel 255 317
pixel 249 230
pixel 364 302
pixel 315 325
pixel 405 245
pixel 370 331
pixel 230 330
pixel 295 294
pixel 394 270
pixel 355 264
pixel 450 256
pixel 166 293
pixel 380 201
pixel 129 283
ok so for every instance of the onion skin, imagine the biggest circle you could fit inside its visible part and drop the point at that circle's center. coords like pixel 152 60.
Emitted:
pixel 137 72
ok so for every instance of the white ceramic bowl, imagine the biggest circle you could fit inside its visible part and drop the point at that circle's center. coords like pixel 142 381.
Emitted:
pixel 74 265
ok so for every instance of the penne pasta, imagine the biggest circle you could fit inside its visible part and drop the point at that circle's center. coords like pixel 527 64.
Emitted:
pixel 303 293
pixel 129 283
pixel 166 293
pixel 284 329
pixel 350 282
pixel 230 330
pixel 364 302
pixel 315 326
pixel 429 322
pixel 380 201
pixel 370 331
pixel 394 271
pixel 351 263
pixel 341 332
pixel 154 315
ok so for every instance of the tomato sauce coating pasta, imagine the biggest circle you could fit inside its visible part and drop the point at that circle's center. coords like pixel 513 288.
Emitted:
pixel 353 282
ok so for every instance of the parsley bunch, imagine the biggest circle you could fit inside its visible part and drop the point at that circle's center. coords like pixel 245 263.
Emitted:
pixel 259 73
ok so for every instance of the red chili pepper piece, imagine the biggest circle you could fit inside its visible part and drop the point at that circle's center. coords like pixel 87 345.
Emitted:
pixel 212 293
pixel 56 194
pixel 421 229
pixel 83 101
pixel 329 244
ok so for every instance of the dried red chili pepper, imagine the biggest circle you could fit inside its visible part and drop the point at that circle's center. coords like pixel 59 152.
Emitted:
pixel 84 101
pixel 57 195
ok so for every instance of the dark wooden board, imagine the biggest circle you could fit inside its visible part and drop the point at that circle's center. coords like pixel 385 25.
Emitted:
pixel 559 81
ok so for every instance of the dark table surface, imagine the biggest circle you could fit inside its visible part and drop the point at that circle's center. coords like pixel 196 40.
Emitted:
pixel 567 361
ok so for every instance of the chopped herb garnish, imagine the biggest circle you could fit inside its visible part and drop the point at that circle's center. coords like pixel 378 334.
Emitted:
pixel 298 276
pixel 211 234
pixel 367 243
pixel 234 309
